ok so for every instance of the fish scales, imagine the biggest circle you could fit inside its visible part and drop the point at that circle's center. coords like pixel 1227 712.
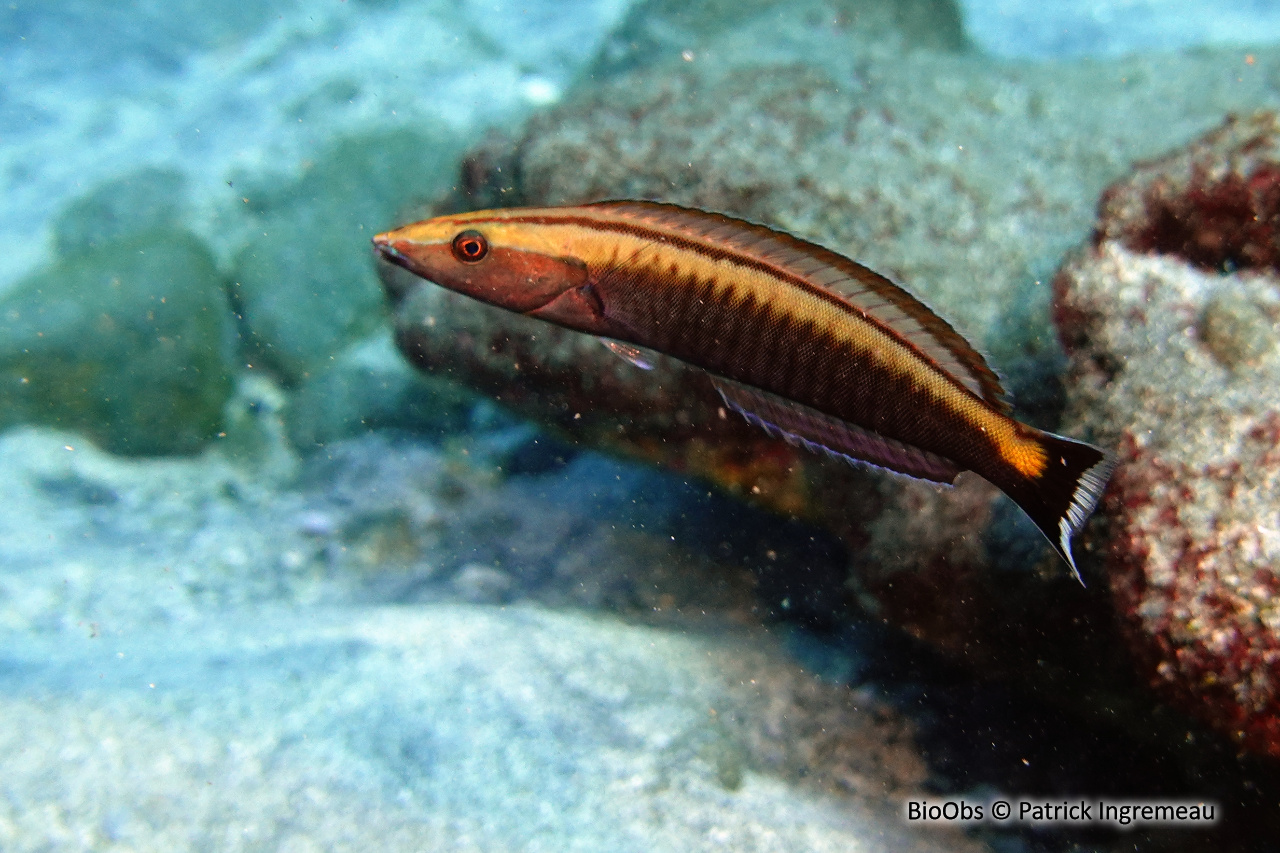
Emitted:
pixel 796 337
pixel 747 331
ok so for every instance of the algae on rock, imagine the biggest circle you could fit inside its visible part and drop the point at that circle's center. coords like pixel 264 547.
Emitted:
pixel 1170 314
pixel 131 343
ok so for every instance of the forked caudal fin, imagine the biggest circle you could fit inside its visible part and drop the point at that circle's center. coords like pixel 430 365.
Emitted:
pixel 1062 496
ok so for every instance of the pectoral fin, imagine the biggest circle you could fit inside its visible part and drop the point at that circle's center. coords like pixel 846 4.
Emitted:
pixel 629 353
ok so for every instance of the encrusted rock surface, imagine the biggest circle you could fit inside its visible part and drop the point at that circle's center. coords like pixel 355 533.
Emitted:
pixel 1175 362
pixel 1216 204
pixel 962 180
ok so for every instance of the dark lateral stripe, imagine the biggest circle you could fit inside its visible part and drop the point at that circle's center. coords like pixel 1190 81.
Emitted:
pixel 867 291
pixel 940 331
pixel 706 250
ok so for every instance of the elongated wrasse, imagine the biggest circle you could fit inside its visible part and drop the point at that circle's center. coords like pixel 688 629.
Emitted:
pixel 799 339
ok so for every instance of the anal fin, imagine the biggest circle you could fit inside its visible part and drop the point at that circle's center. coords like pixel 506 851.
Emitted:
pixel 800 424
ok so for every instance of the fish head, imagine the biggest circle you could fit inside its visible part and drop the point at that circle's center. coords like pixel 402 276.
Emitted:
pixel 488 255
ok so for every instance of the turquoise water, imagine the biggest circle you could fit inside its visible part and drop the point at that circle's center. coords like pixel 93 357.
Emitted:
pixel 267 585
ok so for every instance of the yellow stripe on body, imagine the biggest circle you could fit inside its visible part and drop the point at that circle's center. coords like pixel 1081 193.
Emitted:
pixel 736 276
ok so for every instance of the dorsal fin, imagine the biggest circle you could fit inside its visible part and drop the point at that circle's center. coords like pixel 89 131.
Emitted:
pixel 818 431
pixel 867 292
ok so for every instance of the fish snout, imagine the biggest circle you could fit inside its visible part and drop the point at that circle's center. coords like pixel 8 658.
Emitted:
pixel 385 246
pixel 396 274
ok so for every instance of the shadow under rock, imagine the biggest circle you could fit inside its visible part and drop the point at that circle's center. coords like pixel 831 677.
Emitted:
pixel 987 737
pixel 626 518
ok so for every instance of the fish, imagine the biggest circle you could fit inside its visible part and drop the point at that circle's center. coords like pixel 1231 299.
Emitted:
pixel 802 341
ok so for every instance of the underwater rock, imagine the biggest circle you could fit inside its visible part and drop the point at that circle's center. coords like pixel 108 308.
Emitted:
pixel 482 584
pixel 302 285
pixel 1215 204
pixel 843 143
pixel 1173 362
pixel 666 31
pixel 369 386
pixel 131 343
pixel 146 199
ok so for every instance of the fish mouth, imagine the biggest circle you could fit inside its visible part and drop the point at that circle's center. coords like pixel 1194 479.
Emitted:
pixel 395 284
pixel 386 249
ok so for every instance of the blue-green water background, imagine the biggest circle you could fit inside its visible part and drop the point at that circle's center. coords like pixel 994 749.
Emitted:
pixel 298 640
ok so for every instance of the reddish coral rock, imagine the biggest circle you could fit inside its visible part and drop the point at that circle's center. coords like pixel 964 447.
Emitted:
pixel 1174 362
pixel 847 144
pixel 1215 204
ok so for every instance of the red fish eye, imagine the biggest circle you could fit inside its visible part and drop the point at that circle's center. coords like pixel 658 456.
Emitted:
pixel 470 246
